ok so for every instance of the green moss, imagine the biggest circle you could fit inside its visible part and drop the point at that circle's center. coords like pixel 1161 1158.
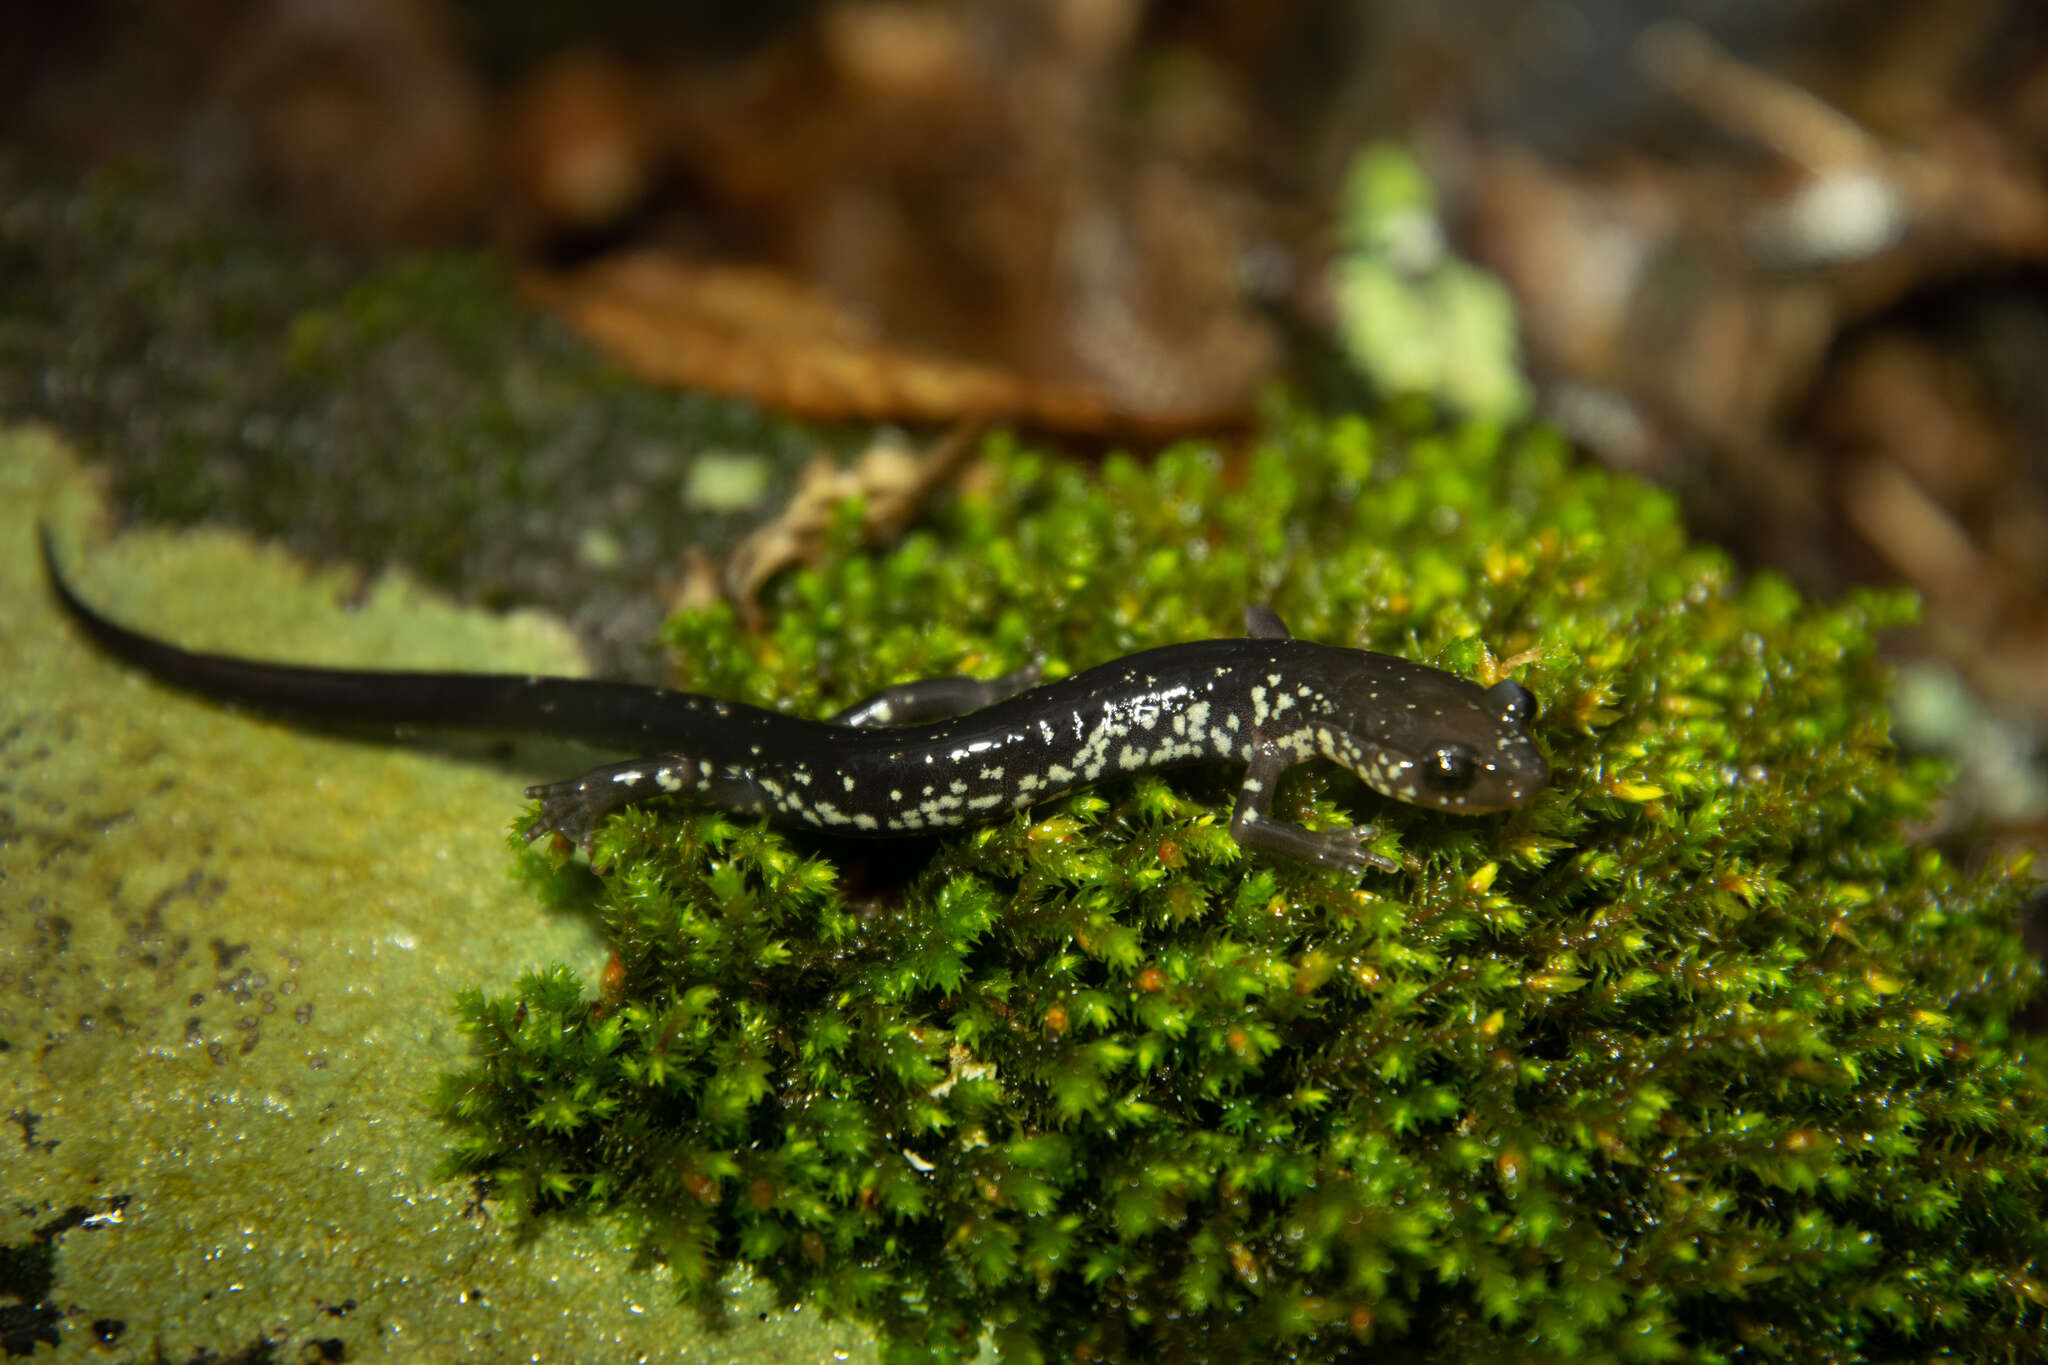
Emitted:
pixel 1693 1058
pixel 409 409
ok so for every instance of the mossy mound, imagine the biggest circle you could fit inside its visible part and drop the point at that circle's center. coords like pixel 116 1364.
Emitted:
pixel 408 410
pixel 1694 1058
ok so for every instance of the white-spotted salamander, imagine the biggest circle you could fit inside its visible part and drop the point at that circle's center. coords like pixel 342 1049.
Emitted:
pixel 948 752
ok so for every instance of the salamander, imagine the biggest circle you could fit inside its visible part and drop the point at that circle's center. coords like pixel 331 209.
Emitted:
pixel 943 753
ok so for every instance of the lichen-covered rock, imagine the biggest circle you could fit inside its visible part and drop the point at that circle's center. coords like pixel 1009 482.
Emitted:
pixel 1694 1058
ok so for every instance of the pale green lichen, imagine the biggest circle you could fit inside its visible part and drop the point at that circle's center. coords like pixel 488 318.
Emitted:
pixel 226 949
pixel 1412 317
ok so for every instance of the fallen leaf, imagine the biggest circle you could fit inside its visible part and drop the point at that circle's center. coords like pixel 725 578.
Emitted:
pixel 756 333
pixel 891 481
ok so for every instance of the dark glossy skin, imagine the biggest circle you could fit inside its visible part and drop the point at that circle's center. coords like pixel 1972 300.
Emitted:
pixel 884 767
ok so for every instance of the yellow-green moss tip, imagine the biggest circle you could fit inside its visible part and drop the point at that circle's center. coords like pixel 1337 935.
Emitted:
pixel 1693 1058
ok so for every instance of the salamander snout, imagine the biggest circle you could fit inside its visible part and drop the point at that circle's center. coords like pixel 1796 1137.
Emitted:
pixel 1450 745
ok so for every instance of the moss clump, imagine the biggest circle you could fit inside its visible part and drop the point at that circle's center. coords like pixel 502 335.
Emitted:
pixel 223 370
pixel 1693 1058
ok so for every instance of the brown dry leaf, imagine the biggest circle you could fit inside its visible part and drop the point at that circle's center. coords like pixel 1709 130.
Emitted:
pixel 892 483
pixel 755 333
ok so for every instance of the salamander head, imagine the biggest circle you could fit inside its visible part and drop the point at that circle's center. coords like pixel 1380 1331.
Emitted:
pixel 1433 739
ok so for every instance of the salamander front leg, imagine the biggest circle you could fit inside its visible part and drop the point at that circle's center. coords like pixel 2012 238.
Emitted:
pixel 926 699
pixel 1253 826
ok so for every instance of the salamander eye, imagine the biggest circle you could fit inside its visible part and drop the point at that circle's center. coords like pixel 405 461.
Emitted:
pixel 1512 702
pixel 1448 768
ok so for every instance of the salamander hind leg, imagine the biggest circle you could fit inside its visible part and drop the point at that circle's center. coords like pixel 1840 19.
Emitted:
pixel 1263 623
pixel 575 808
pixel 912 703
pixel 1252 825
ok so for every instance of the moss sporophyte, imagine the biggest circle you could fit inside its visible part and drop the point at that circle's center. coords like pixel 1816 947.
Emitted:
pixel 1691 1056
